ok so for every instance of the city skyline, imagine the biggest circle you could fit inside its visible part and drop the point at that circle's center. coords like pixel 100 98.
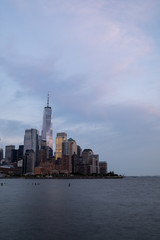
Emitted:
pixel 100 62
pixel 36 158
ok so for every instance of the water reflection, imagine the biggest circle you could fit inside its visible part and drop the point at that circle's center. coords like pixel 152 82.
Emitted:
pixel 88 209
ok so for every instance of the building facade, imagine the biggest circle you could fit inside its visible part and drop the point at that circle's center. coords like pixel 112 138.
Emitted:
pixel 8 152
pixel 1 154
pixel 47 134
pixel 67 156
pixel 31 141
pixel 29 162
pixel 20 151
pixel 103 168
pixel 61 137
pixel 88 164
pixel 44 153
pixel 74 145
pixel 14 157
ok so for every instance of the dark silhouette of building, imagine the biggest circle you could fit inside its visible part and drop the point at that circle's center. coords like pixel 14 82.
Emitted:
pixel 20 152
pixel 8 153
pixel 1 154
pixel 44 153
pixel 66 157
pixel 79 151
pixel 103 168
pixel 88 164
pixel 14 155
pixel 29 162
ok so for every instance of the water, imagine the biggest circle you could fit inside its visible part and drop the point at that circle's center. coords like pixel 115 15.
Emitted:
pixel 91 209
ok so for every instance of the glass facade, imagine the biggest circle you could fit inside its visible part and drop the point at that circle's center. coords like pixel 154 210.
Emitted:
pixel 61 137
pixel 31 140
pixel 47 134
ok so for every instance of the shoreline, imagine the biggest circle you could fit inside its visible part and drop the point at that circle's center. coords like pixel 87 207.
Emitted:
pixel 64 177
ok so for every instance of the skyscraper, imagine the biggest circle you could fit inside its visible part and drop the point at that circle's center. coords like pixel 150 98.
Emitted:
pixel 74 146
pixel 8 152
pixel 29 161
pixel 47 126
pixel 31 141
pixel 67 156
pixel 61 137
pixel 1 154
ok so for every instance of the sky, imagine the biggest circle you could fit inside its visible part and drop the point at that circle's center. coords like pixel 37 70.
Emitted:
pixel 99 59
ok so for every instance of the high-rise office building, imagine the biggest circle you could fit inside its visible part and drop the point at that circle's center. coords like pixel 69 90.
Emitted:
pixel 29 161
pixel 86 155
pixel 17 154
pixel 61 137
pixel 79 151
pixel 44 153
pixel 31 141
pixel 69 148
pixel 67 156
pixel 89 164
pixel 20 152
pixel 102 167
pixel 66 148
pixel 1 154
pixel 47 134
pixel 14 157
pixel 8 152
pixel 74 145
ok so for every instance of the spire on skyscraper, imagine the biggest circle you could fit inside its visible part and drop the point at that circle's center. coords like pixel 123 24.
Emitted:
pixel 48 100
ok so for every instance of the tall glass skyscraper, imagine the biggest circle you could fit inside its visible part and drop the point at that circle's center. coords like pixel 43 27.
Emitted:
pixel 47 126
pixel 31 140
pixel 61 137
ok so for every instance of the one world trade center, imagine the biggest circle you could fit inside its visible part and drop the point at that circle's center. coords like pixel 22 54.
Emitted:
pixel 47 135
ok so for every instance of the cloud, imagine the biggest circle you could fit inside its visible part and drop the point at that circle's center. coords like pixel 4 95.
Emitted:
pixel 97 58
pixel 89 43
pixel 12 132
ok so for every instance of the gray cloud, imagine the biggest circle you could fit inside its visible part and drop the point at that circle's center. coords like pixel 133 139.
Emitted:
pixel 95 57
pixel 12 132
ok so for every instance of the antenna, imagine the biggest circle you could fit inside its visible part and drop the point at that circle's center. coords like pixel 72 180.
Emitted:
pixel 48 100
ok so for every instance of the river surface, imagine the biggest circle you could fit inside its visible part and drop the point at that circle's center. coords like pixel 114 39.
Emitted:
pixel 88 209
